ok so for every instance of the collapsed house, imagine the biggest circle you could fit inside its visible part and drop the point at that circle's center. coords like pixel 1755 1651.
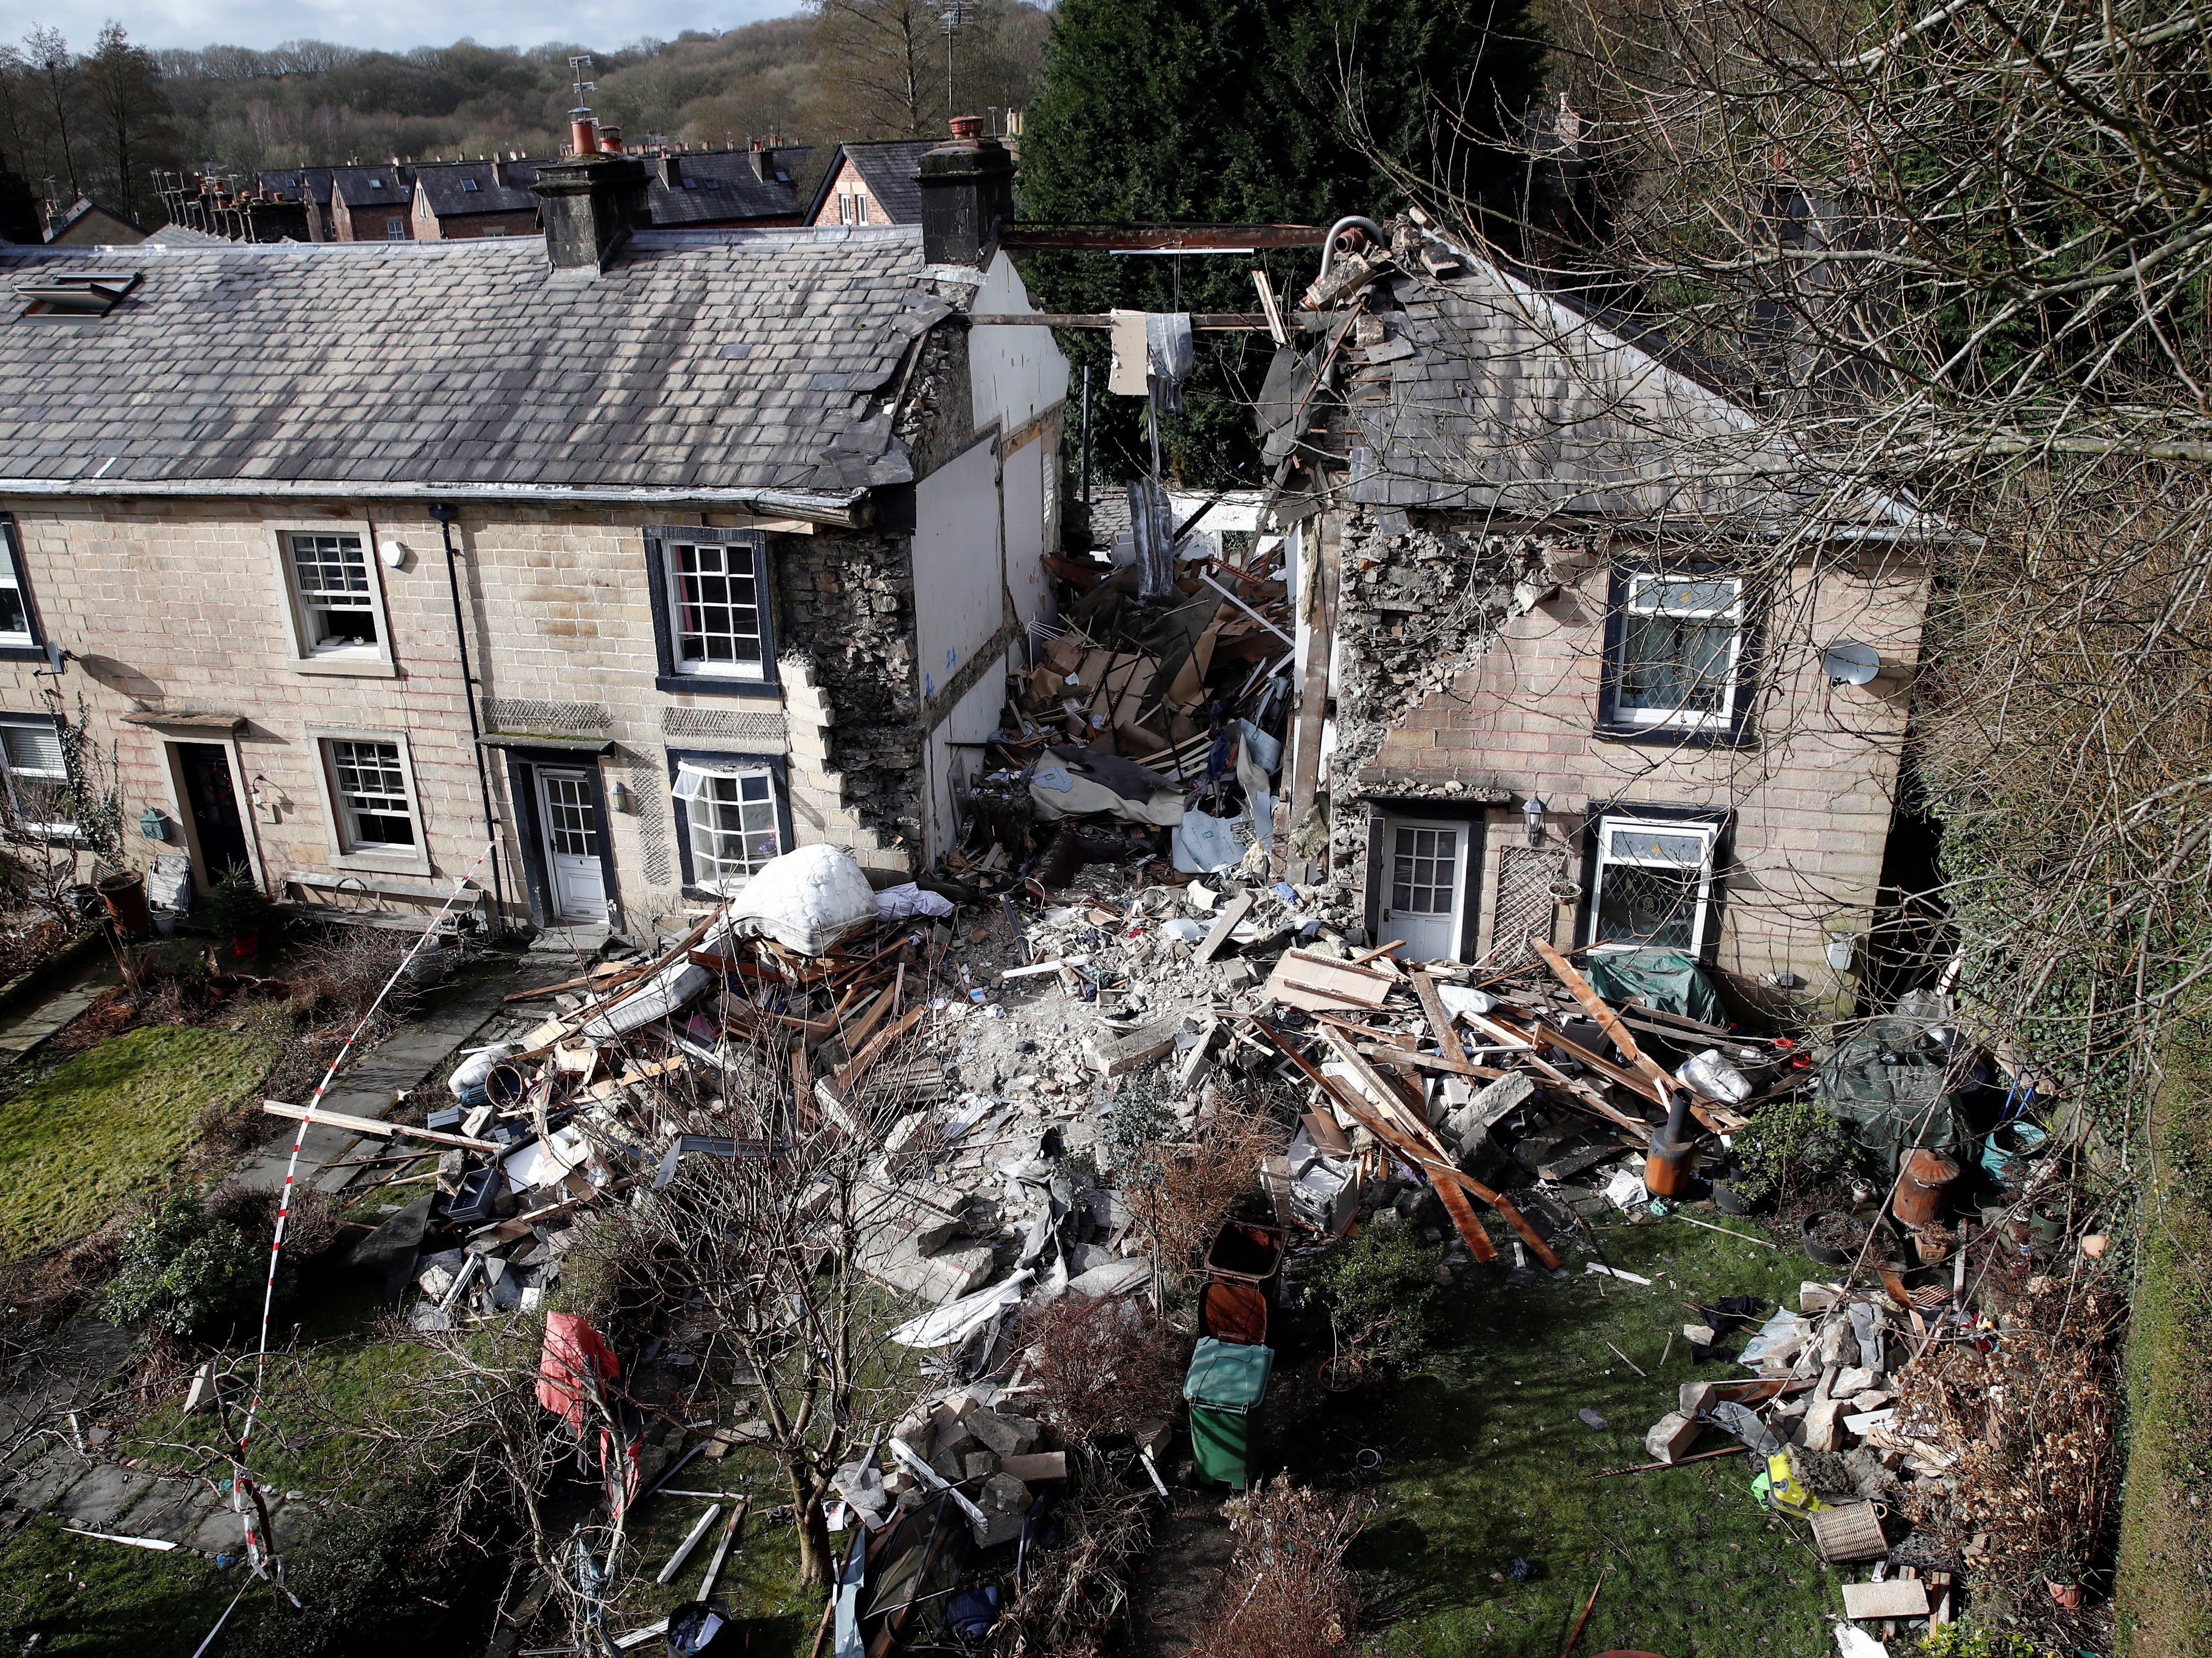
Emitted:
pixel 1584 653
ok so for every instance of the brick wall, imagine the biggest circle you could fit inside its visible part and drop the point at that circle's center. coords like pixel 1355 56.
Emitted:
pixel 1811 794
pixel 181 608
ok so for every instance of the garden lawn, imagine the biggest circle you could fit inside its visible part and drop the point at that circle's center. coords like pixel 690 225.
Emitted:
pixel 1485 1461
pixel 334 1374
pixel 110 1124
pixel 77 1595
pixel 2164 1605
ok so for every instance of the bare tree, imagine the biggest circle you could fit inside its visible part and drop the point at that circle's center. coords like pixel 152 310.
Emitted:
pixel 54 69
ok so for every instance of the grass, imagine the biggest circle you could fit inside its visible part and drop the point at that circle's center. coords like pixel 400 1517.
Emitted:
pixel 1485 1461
pixel 111 1123
pixel 2164 1593
pixel 760 1579
pixel 339 1371
pixel 77 1595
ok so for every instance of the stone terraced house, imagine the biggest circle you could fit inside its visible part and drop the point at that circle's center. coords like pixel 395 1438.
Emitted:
pixel 641 555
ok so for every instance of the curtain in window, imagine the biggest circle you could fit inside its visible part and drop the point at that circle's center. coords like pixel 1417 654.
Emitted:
pixel 1677 647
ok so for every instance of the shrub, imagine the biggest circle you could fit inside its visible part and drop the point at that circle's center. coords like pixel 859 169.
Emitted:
pixel 1379 1290
pixel 1972 1641
pixel 186 1271
pixel 1285 1592
pixel 1102 1367
pixel 236 906
pixel 1789 1147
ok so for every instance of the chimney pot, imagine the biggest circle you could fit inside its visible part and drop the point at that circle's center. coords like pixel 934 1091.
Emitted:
pixel 610 140
pixel 967 128
pixel 583 131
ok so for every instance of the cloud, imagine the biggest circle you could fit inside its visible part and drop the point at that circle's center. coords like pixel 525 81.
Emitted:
pixel 390 25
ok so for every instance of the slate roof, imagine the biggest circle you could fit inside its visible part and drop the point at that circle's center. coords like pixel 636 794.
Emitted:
pixel 723 186
pixel 297 183
pixel 460 188
pixel 1494 394
pixel 373 186
pixel 888 170
pixel 717 360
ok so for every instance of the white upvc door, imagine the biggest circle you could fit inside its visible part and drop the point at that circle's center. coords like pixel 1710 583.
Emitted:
pixel 571 845
pixel 1424 883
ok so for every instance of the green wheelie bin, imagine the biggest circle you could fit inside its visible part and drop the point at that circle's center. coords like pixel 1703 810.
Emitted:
pixel 1223 1386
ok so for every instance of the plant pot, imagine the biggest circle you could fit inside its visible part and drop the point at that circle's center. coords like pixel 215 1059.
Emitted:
pixel 246 944
pixel 124 895
pixel 1826 1255
pixel 1342 1374
pixel 1933 1246
pixel 2068 1596
pixel 1728 1199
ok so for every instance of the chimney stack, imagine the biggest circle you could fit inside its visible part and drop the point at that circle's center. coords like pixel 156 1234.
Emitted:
pixel 593 202
pixel 967 196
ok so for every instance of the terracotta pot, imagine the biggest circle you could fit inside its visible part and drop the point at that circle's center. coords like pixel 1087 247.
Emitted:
pixel 1927 1183
pixel 2068 1596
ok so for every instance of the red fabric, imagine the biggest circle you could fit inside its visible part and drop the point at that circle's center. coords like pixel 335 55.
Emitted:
pixel 575 1356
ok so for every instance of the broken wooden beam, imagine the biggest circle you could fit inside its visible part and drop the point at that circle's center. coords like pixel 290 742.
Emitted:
pixel 1224 924
pixel 377 1128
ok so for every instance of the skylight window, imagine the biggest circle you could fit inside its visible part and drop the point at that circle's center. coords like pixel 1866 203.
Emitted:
pixel 471 184
pixel 78 294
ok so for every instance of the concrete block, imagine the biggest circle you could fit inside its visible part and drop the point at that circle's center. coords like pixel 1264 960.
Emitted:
pixel 1820 1424
pixel 1003 1494
pixel 1036 1468
pixel 1694 1396
pixel 1815 1297
pixel 979 1465
pixel 1009 1436
pixel 996 1529
pixel 1113 1056
pixel 1671 1436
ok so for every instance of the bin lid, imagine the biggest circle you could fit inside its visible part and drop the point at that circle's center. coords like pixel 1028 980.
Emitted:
pixel 1227 1377
pixel 1233 1312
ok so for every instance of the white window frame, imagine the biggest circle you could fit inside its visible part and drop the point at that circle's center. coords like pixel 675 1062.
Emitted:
pixel 1706 833
pixel 347 850
pixel 671 558
pixel 25 637
pixel 372 661
pixel 395 229
pixel 695 781
pixel 1641 598
pixel 51 829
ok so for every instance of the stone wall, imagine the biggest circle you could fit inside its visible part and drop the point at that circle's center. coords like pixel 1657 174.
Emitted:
pixel 1416 608
pixel 1507 710
pixel 848 604
pixel 180 609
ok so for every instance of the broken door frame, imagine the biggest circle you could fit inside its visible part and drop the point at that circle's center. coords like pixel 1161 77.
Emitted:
pixel 523 757
pixel 1380 808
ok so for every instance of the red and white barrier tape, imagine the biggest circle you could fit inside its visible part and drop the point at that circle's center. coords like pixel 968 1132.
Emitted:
pixel 259 1556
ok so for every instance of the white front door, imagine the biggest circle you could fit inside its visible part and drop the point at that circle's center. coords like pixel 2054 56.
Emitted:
pixel 1423 869
pixel 572 846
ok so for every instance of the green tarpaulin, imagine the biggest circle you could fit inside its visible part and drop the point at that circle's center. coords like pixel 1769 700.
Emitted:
pixel 1659 978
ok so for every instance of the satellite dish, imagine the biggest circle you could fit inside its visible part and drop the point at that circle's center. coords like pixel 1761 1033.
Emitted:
pixel 1847 662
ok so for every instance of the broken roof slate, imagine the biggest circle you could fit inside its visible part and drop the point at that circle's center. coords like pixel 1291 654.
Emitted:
pixel 277 361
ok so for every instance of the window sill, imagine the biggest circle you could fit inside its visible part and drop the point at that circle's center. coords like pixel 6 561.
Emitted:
pixel 18 652
pixel 716 685
pixel 1674 737
pixel 381 863
pixel 351 667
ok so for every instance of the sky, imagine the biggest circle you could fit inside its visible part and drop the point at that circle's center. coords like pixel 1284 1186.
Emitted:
pixel 389 25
